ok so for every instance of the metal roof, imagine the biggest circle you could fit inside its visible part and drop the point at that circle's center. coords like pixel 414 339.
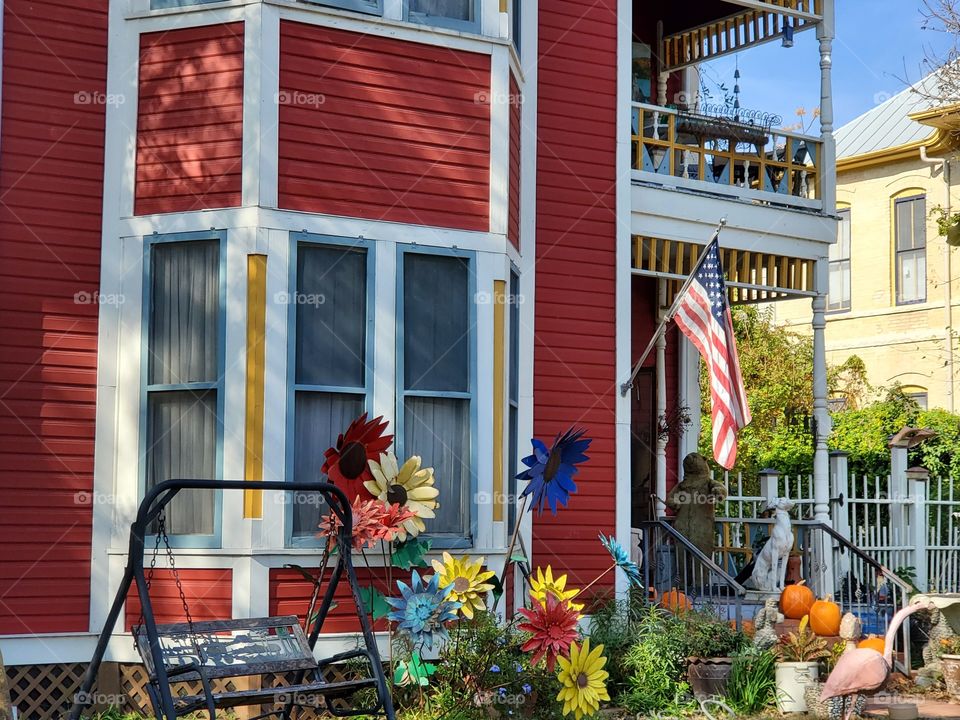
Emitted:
pixel 888 125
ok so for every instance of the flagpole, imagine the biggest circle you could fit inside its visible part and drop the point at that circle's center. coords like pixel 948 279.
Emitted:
pixel 662 327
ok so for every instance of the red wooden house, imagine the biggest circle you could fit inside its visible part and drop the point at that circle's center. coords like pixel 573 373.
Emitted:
pixel 231 226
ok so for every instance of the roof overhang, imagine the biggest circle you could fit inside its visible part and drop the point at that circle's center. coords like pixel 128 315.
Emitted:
pixel 938 141
pixel 758 22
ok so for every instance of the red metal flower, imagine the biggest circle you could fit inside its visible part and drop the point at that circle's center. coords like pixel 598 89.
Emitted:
pixel 393 518
pixel 553 627
pixel 346 462
pixel 368 527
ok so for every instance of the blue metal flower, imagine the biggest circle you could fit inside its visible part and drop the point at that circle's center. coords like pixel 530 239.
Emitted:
pixel 622 559
pixel 550 471
pixel 422 610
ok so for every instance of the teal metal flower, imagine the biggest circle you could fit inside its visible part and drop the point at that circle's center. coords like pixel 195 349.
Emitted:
pixel 550 471
pixel 621 559
pixel 422 610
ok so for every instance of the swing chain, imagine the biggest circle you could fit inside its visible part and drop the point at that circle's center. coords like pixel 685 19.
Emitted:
pixel 153 566
pixel 162 531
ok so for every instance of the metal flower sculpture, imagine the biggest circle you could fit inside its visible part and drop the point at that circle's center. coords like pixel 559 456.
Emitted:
pixel 583 679
pixel 550 471
pixel 346 462
pixel 621 559
pixel 553 626
pixel 543 584
pixel 410 486
pixel 465 580
pixel 368 528
pixel 422 610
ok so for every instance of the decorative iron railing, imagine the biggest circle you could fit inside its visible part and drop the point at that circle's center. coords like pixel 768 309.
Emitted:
pixel 762 163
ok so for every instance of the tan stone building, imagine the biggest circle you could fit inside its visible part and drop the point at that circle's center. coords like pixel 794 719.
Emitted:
pixel 891 299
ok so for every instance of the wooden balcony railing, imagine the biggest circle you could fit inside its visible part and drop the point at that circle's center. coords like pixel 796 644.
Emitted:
pixel 747 160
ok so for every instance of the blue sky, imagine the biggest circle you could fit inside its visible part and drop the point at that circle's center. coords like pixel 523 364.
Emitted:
pixel 880 43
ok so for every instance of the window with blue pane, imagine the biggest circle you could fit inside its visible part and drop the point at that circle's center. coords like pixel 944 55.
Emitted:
pixel 183 372
pixel 513 401
pixel 462 14
pixel 910 231
pixel 374 7
pixel 436 342
pixel 330 361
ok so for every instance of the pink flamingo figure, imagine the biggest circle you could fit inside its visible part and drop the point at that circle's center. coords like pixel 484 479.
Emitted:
pixel 861 671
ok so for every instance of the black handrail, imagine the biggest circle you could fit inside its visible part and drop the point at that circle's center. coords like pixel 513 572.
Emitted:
pixel 156 499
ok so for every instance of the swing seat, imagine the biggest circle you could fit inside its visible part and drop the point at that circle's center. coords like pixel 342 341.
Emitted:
pixel 209 650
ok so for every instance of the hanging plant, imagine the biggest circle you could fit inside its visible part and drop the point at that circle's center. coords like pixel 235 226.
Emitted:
pixel 948 225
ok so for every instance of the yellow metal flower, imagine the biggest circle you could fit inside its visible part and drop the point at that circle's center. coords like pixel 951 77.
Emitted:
pixel 409 486
pixel 466 580
pixel 544 583
pixel 583 679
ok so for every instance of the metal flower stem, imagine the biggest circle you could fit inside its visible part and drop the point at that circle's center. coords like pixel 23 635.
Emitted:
pixel 513 543
pixel 598 578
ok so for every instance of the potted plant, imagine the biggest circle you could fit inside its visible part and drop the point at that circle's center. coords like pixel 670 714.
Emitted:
pixel 948 225
pixel 799 655
pixel 950 663
pixel 710 644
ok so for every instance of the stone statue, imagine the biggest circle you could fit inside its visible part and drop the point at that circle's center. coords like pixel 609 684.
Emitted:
pixel 851 630
pixel 765 623
pixel 694 500
pixel 939 630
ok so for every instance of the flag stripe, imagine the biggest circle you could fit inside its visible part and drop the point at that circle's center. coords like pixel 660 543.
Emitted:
pixel 703 315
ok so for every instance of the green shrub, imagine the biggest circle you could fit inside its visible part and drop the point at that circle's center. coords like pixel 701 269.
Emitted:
pixel 752 685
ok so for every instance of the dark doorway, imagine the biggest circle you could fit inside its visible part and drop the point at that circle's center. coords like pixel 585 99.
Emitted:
pixel 643 446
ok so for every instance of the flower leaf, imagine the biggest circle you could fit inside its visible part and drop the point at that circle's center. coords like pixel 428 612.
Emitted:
pixel 374 602
pixel 410 554
pixel 414 671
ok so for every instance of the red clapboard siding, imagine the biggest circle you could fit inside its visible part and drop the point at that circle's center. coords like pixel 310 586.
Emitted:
pixel 383 129
pixel 190 119
pixel 516 119
pixel 209 595
pixel 574 350
pixel 290 595
pixel 54 80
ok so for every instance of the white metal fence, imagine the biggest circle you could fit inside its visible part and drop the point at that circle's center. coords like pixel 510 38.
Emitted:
pixel 910 525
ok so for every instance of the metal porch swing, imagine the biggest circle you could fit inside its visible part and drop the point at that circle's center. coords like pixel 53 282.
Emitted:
pixel 204 651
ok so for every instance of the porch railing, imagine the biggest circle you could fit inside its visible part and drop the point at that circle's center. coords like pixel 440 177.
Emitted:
pixel 670 562
pixel 725 155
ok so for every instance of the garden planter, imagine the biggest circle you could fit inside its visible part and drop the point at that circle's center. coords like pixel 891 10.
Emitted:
pixel 953 235
pixel 792 681
pixel 708 677
pixel 951 674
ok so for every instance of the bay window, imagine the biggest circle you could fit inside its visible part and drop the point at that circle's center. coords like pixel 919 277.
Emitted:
pixel 457 14
pixel 184 369
pixel 435 378
pixel 330 312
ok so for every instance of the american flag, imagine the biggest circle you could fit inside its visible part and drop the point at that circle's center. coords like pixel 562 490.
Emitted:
pixel 703 315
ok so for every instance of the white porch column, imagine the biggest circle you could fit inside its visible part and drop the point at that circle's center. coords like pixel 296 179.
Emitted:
pixel 821 414
pixel 828 157
pixel 661 412
pixel 661 403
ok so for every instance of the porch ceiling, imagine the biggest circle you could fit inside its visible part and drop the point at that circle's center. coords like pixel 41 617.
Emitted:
pixel 751 277
pixel 715 29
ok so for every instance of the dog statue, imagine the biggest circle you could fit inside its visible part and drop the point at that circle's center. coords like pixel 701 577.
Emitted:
pixel 770 569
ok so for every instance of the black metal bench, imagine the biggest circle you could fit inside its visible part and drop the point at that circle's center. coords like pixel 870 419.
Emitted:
pixel 217 649
pixel 211 650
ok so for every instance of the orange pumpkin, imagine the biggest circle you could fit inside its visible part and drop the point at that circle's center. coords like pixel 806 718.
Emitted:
pixel 675 601
pixel 825 617
pixel 873 643
pixel 796 601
